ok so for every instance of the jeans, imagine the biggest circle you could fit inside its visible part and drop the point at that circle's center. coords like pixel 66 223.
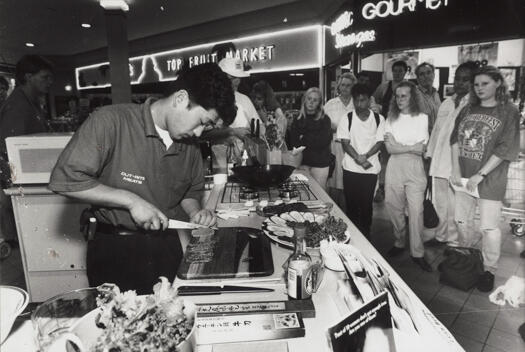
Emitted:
pixel 489 214
pixel 444 201
pixel 359 195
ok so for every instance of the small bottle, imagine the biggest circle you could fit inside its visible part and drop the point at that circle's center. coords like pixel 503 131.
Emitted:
pixel 299 264
pixel 244 161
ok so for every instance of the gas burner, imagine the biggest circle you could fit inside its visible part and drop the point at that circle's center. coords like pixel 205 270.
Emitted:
pixel 247 193
pixel 288 191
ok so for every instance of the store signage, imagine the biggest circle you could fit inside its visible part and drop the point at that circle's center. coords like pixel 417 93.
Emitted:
pixel 387 8
pixel 343 40
pixel 372 10
pixel 292 49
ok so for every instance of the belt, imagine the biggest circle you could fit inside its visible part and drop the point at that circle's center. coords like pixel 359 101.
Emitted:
pixel 122 231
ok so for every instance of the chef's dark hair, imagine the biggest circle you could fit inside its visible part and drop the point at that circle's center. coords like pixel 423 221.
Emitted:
pixel 208 86
pixel 31 64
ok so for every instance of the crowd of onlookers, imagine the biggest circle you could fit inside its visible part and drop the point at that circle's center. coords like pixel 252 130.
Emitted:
pixel 401 144
pixel 401 141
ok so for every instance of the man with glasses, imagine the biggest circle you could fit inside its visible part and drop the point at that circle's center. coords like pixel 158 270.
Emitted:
pixel 139 165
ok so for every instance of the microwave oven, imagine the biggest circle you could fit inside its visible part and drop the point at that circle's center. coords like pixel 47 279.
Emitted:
pixel 32 157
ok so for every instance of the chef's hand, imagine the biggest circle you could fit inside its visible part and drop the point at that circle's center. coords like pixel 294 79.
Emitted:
pixel 473 182
pixel 147 216
pixel 203 217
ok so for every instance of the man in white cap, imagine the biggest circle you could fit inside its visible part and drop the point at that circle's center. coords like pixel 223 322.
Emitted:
pixel 234 68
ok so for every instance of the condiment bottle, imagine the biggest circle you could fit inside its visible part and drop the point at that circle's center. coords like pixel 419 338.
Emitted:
pixel 299 264
pixel 244 161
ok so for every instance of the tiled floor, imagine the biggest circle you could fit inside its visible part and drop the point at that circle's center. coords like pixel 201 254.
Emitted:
pixel 477 324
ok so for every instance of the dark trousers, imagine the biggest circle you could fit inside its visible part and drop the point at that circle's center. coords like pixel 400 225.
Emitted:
pixel 133 262
pixel 359 195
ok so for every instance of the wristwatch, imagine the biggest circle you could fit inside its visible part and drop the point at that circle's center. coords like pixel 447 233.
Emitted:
pixel 481 174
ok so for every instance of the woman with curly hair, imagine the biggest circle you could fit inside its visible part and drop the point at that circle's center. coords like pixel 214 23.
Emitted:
pixel 312 130
pixel 406 135
pixel 484 141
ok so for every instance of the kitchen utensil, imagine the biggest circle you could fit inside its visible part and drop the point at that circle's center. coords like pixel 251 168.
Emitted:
pixel 176 224
pixel 232 252
pixel 252 128
pixel 262 175
pixel 217 290
pixel 13 301
pixel 258 129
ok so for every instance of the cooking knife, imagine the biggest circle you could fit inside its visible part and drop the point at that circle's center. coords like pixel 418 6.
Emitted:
pixel 177 224
pixel 217 290
pixel 257 129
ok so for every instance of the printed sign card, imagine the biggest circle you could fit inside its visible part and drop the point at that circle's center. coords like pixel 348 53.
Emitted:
pixel 369 328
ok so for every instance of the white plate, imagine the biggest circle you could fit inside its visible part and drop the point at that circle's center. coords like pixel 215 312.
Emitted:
pixel 276 229
pixel 13 301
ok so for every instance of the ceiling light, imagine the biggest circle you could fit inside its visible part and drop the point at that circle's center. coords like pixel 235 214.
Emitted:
pixel 30 45
pixel 86 25
pixel 162 8
pixel 285 19
pixel 114 5
pixel 68 88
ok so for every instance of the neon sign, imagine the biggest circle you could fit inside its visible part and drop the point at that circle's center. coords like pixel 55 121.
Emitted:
pixel 344 21
pixel 290 49
pixel 387 8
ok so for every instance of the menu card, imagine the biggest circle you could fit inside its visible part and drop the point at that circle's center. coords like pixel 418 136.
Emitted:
pixel 369 328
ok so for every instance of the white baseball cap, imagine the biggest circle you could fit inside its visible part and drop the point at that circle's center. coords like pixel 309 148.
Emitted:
pixel 233 67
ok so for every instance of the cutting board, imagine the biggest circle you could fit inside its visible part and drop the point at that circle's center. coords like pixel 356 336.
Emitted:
pixel 231 252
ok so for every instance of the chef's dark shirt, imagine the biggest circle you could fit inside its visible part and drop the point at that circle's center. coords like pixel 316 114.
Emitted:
pixel 119 147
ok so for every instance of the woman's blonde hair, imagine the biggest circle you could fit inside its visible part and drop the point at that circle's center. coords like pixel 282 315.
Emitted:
pixel 347 75
pixel 502 92
pixel 319 113
pixel 413 106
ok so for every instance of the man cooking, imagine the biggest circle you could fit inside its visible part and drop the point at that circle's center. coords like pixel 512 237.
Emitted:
pixel 138 166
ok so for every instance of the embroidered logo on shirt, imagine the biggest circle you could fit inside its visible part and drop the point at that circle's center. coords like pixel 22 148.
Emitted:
pixel 129 177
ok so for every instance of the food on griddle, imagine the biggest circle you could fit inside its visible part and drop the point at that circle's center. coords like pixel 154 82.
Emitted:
pixel 153 323
pixel 284 208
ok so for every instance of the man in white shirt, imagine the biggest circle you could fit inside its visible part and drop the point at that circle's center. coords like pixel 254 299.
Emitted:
pixel 439 150
pixel 361 133
pixel 427 94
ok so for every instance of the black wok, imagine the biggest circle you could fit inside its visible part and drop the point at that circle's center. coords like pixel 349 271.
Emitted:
pixel 262 175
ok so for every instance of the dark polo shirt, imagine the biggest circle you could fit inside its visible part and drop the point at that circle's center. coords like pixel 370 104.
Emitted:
pixel 119 147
